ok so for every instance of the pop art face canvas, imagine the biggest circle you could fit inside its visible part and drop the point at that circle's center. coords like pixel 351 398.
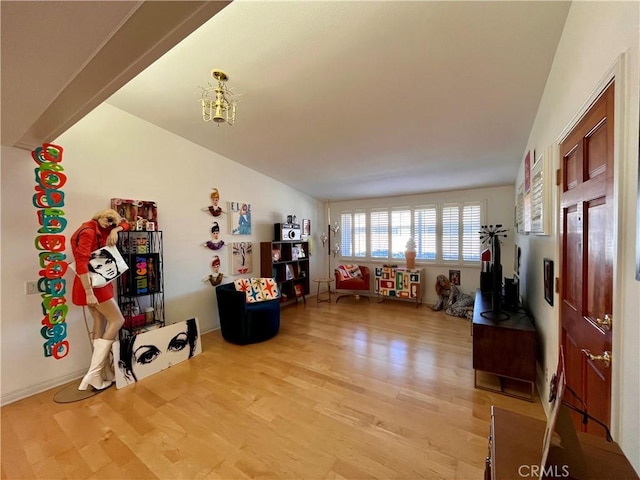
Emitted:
pixel 106 264
pixel 140 356
pixel 240 218
pixel 242 258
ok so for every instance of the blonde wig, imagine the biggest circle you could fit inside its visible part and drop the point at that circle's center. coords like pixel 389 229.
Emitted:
pixel 442 283
pixel 109 212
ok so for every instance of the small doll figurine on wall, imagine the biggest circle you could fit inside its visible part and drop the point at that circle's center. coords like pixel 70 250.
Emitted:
pixel 215 243
pixel 214 209
pixel 216 277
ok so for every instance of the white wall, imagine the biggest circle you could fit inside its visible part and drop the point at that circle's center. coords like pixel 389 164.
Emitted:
pixel 113 154
pixel 500 209
pixel 594 37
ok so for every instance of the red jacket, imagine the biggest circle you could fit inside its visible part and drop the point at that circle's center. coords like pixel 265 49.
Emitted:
pixel 86 239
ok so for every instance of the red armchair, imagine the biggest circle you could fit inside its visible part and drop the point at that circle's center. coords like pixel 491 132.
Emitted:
pixel 356 278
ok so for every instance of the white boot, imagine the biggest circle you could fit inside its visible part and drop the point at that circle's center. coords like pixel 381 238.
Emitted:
pixel 101 349
pixel 108 372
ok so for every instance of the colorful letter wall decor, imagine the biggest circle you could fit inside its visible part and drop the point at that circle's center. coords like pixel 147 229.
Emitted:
pixel 50 242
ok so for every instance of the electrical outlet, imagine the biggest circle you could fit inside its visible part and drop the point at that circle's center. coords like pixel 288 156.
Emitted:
pixel 31 288
pixel 546 375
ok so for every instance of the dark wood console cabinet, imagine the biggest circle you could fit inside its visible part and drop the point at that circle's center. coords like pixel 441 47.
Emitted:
pixel 504 349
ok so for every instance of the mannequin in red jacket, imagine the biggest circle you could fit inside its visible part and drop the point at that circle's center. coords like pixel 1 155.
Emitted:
pixel 98 232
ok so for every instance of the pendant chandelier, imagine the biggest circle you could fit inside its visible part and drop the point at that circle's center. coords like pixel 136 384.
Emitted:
pixel 218 102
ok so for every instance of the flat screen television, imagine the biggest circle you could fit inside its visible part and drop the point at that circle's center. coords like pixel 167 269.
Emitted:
pixel 491 234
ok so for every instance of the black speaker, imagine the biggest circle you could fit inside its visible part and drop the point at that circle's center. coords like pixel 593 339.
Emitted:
pixel 485 282
pixel 511 292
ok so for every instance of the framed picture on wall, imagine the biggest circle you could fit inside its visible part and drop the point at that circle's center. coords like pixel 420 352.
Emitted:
pixel 548 280
pixel 240 218
pixel 527 172
pixel 241 258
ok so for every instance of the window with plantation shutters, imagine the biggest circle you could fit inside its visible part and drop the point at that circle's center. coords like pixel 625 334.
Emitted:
pixel 470 232
pixel 353 228
pixel 425 223
pixel 450 228
pixel 346 235
pixel 445 233
pixel 400 232
pixel 379 233
pixel 360 234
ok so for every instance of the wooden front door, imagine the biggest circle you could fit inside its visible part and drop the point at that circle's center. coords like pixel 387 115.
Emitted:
pixel 587 244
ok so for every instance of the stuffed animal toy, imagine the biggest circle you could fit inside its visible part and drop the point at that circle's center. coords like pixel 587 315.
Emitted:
pixel 455 302
pixel 443 287
pixel 459 304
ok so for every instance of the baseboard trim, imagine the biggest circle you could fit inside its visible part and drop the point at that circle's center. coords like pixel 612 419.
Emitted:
pixel 16 395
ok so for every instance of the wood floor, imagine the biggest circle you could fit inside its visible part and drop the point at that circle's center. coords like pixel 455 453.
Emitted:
pixel 349 390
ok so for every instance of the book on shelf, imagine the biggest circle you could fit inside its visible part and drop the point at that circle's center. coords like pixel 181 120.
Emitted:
pixel 143 278
pixel 300 251
pixel 141 243
pixel 288 272
pixel 135 242
pixel 298 289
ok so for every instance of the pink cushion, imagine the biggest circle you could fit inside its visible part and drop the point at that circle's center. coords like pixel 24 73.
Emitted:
pixel 349 271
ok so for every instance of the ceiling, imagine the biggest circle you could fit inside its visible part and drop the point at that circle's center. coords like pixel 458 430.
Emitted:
pixel 339 99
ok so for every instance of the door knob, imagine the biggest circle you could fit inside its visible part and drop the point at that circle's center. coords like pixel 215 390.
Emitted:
pixel 606 323
pixel 605 358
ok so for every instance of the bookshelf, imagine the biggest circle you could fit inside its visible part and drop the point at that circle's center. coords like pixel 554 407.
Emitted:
pixel 287 261
pixel 141 288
